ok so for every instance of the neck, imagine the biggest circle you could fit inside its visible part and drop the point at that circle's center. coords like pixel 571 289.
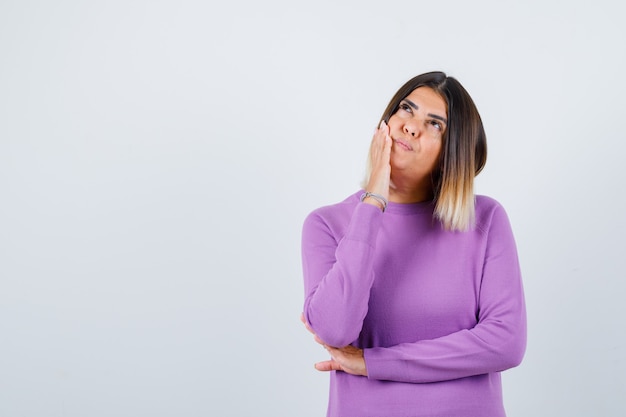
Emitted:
pixel 400 192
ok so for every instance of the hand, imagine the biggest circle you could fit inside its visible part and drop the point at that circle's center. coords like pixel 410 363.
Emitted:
pixel 348 359
pixel 380 154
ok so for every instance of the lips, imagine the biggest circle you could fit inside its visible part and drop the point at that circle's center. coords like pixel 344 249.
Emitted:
pixel 403 144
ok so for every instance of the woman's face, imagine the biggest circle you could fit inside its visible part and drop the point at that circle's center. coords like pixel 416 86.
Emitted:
pixel 417 130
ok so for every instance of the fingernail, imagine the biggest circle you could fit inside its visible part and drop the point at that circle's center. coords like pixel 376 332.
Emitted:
pixel 382 124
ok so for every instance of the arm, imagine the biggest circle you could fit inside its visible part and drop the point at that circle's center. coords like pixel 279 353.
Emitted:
pixel 496 343
pixel 338 276
pixel 338 270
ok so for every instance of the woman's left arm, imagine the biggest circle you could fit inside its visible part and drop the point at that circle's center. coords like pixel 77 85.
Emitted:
pixel 496 343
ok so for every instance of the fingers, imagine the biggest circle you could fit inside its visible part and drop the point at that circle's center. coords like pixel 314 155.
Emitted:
pixel 380 157
pixel 326 366
pixel 306 324
pixel 387 144
pixel 348 358
pixel 338 355
pixel 378 141
pixel 303 320
pixel 386 141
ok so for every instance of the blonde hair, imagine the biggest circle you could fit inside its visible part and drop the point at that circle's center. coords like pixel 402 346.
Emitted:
pixel 464 150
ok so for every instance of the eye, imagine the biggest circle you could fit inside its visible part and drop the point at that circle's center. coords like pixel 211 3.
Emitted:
pixel 436 124
pixel 405 107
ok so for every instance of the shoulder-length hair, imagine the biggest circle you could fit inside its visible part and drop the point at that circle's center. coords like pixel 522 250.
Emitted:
pixel 464 149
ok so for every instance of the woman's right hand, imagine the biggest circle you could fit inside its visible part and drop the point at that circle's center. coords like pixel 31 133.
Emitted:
pixel 380 153
pixel 348 359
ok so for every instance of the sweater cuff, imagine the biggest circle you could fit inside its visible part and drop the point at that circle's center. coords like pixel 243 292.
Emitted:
pixel 365 223
pixel 377 367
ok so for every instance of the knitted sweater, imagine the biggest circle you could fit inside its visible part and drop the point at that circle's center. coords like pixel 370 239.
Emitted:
pixel 439 314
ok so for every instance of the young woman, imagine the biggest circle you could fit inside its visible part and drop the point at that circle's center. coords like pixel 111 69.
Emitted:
pixel 413 284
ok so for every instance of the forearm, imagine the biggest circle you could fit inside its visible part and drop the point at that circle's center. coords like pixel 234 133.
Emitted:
pixel 338 276
pixel 487 348
pixel 496 342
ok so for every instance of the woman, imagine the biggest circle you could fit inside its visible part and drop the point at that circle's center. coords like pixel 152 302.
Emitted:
pixel 413 284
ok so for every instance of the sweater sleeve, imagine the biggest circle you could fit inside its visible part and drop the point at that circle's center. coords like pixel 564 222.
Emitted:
pixel 498 340
pixel 338 273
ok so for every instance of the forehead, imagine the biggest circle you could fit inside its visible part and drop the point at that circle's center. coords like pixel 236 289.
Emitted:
pixel 428 99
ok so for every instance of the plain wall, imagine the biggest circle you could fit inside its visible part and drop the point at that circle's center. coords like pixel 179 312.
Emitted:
pixel 157 159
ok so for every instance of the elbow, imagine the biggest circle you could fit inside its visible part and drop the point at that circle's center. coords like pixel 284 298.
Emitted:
pixel 340 339
pixel 513 358
pixel 333 331
pixel 512 354
pixel 337 334
pixel 507 343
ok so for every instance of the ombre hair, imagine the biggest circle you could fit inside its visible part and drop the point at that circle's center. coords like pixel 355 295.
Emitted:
pixel 463 153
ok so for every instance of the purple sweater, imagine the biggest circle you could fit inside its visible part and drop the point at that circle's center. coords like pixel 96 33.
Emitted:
pixel 439 314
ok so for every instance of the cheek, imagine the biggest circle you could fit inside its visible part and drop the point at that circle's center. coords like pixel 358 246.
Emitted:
pixel 433 152
pixel 435 147
pixel 393 122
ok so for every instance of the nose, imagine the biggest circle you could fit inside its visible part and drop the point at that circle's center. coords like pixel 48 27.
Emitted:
pixel 411 127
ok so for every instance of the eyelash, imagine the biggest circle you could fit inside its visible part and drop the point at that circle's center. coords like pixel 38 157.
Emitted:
pixel 405 107
pixel 435 123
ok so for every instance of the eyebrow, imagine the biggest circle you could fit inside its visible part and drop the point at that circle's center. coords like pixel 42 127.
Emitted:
pixel 416 107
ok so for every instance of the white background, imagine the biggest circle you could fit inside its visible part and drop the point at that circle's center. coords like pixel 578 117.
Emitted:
pixel 157 159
